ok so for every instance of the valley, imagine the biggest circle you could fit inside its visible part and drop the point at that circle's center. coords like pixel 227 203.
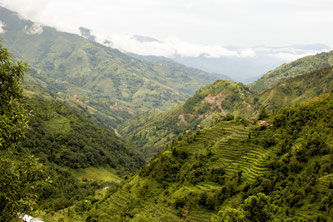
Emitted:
pixel 91 133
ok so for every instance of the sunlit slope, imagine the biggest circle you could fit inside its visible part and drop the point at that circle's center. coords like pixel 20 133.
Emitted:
pixel 206 171
pixel 296 68
pixel 151 130
pixel 297 89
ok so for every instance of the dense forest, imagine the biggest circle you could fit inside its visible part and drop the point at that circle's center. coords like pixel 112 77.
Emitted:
pixel 60 136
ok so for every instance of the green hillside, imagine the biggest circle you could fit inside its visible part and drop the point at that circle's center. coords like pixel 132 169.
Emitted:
pixel 236 169
pixel 100 135
pixel 60 136
pixel 104 81
pixel 79 157
pixel 296 68
pixel 151 130
pixel 297 89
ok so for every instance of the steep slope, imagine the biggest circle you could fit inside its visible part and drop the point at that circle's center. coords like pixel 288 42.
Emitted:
pixel 151 130
pixel 296 68
pixel 179 66
pixel 234 168
pixel 101 79
pixel 60 136
pixel 79 157
pixel 297 89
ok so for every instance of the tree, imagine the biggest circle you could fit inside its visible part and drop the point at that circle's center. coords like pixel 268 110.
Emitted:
pixel 20 173
pixel 13 119
pixel 229 215
pixel 20 179
pixel 258 208
pixel 262 113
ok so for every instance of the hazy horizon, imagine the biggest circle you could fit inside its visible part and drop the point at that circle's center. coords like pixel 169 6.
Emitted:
pixel 189 28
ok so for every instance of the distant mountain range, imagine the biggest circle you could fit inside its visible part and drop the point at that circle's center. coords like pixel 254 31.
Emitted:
pixel 242 64
pixel 101 80
pixel 295 68
pixel 150 131
pixel 223 156
pixel 216 150
pixel 249 68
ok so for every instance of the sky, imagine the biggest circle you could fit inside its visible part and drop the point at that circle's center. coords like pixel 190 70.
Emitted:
pixel 190 27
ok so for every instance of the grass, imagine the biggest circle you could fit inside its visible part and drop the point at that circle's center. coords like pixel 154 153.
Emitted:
pixel 97 174
pixel 58 124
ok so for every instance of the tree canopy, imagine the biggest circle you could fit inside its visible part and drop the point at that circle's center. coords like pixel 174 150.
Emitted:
pixel 20 175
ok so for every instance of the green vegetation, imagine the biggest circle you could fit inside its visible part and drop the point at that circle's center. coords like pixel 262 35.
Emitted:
pixel 297 89
pixel 21 175
pixel 79 156
pixel 226 154
pixel 296 68
pixel 236 171
pixel 97 174
pixel 150 131
pixel 68 146
pixel 101 81
pixel 60 136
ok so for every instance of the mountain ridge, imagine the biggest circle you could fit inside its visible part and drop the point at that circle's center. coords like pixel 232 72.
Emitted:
pixel 112 83
pixel 295 68
pixel 224 98
pixel 213 170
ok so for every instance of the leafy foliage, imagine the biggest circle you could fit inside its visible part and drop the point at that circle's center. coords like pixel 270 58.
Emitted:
pixel 65 143
pixel 12 116
pixel 20 174
pixel 21 179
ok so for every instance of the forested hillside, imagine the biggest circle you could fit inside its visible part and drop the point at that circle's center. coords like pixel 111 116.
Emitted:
pixel 150 131
pixel 60 136
pixel 296 68
pixel 237 170
pixel 297 89
pixel 90 133
pixel 72 148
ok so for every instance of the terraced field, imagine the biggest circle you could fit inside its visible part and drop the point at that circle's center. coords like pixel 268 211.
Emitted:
pixel 234 154
pixel 232 150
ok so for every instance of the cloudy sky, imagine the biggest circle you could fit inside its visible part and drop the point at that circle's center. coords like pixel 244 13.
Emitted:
pixel 199 25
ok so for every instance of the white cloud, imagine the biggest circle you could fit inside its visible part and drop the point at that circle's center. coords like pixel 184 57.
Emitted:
pixel 247 53
pixel 291 53
pixel 35 29
pixel 289 57
pixel 169 47
pixel 172 46
pixel 2 25
pixel 208 22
